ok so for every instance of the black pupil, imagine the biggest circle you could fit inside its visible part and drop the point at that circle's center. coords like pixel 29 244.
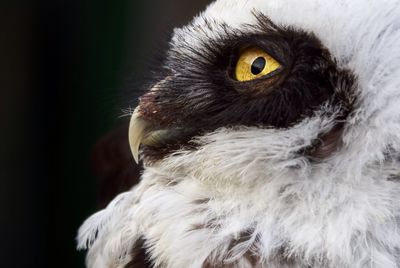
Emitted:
pixel 258 65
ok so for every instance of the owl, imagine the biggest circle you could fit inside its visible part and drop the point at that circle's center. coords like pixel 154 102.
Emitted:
pixel 270 138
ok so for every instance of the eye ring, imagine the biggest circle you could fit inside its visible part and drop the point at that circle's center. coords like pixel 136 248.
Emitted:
pixel 254 63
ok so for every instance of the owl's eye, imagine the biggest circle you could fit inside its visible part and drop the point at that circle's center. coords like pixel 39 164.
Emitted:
pixel 254 63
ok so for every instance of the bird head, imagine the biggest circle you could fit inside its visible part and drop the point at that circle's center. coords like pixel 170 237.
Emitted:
pixel 256 81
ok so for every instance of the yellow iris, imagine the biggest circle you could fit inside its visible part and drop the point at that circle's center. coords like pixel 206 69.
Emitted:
pixel 254 63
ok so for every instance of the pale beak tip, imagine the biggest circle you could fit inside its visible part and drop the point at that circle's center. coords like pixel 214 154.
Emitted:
pixel 137 130
pixel 135 144
pixel 135 153
pixel 136 157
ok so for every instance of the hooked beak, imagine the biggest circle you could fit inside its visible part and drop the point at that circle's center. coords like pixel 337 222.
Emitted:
pixel 145 132
pixel 137 132
pixel 142 131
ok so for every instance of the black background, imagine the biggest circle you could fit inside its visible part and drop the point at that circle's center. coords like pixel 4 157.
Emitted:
pixel 66 67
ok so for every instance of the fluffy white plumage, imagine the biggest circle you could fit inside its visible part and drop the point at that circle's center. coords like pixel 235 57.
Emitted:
pixel 248 182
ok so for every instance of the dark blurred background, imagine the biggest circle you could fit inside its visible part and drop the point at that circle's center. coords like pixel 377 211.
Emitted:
pixel 67 69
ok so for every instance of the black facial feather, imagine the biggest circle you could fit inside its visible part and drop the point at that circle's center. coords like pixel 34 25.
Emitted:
pixel 198 92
